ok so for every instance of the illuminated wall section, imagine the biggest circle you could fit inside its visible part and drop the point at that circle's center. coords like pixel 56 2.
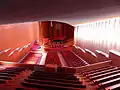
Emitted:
pixel 16 39
pixel 102 35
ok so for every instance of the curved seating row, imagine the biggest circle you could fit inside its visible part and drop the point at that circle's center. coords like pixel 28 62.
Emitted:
pixel 32 58
pixel 90 56
pixel 56 45
pixel 52 58
pixel 9 73
pixel 40 78
pixel 107 78
pixel 72 60
pixel 53 80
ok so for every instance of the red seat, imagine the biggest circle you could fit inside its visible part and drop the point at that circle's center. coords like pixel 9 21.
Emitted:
pixel 72 60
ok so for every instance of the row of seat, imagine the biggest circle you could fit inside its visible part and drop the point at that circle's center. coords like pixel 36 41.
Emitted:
pixel 9 73
pixel 72 60
pixel 56 45
pixel 107 78
pixel 52 81
pixel 38 80
pixel 90 56
pixel 52 58
pixel 79 51
pixel 32 58
pixel 42 78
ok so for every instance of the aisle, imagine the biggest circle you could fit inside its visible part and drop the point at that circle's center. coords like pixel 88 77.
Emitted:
pixel 62 60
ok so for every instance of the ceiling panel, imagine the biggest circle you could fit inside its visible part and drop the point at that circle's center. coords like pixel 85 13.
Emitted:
pixel 70 11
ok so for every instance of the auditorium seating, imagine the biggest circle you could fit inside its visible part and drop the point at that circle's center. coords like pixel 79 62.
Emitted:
pixel 86 54
pixel 52 58
pixel 32 58
pixel 107 78
pixel 42 77
pixel 8 75
pixel 56 45
pixel 102 56
pixel 72 60
pixel 79 51
pixel 53 80
pixel 51 76
pixel 36 77
pixel 113 87
pixel 115 57
pixel 90 57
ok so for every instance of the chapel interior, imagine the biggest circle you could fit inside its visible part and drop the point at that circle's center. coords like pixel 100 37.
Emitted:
pixel 59 44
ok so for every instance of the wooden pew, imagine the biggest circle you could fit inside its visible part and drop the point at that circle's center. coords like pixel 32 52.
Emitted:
pixel 53 73
pixel 107 78
pixel 115 57
pixel 104 75
pixel 113 87
pixel 98 70
pixel 101 72
pixel 90 57
pixel 53 79
pixel 53 76
pixel 8 74
pixel 102 56
pixel 70 70
pixel 48 86
pixel 5 78
pixel 53 83
pixel 81 52
pixel 2 81
pixel 32 58
pixel 110 82
pixel 52 58
pixel 72 59
pixel 92 67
